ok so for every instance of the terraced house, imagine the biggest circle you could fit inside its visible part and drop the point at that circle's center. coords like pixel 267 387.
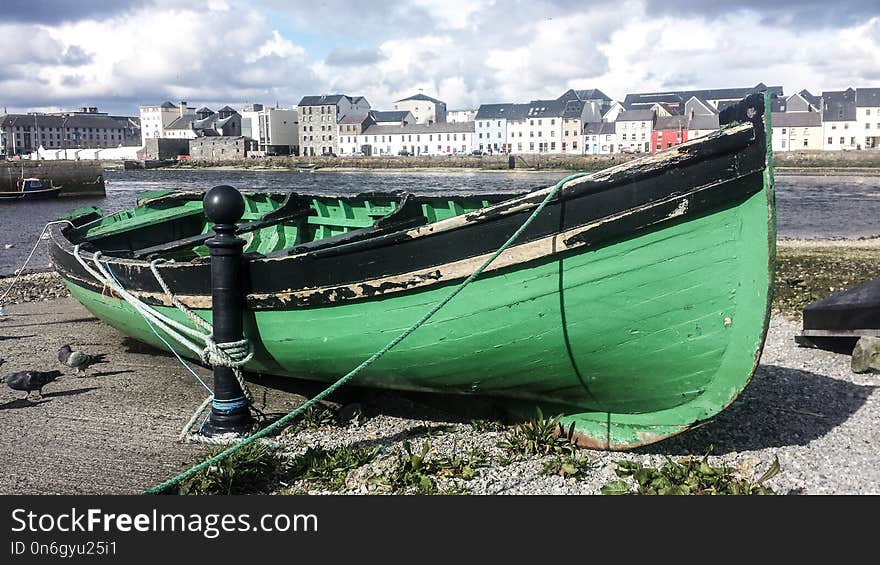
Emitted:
pixel 319 117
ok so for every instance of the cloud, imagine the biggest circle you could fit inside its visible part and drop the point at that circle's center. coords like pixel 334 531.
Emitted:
pixel 464 52
pixel 57 11
pixel 348 57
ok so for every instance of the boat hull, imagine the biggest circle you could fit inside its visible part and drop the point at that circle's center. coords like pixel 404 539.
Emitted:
pixel 634 325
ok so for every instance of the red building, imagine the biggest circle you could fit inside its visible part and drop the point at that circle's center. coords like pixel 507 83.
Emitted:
pixel 668 132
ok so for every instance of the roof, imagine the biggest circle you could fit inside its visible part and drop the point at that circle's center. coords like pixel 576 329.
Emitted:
pixel 328 99
pixel 584 95
pixel 573 109
pixel 422 97
pixel 869 97
pixel 703 123
pixel 389 115
pixel 636 100
pixel 71 121
pixel 635 116
pixel 185 122
pixel 354 118
pixel 227 109
pixel 599 128
pixel 811 98
pixel 167 104
pixel 442 127
pixel 494 111
pixel 840 105
pixel 205 110
pixel 671 122
pixel 795 119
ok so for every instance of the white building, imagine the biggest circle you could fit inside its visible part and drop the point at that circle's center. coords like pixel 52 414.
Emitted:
pixel 155 119
pixel 412 139
pixel 458 116
pixel 491 127
pixel 600 138
pixel 839 124
pixel 276 130
pixel 796 131
pixel 868 116
pixel 426 110
pixel 634 130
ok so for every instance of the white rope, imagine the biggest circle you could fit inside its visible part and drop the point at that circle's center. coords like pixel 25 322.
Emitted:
pixel 233 354
pixel 20 270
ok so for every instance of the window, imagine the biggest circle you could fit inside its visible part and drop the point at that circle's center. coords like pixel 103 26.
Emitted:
pixel 783 131
pixel 846 125
pixel 659 146
pixel 574 144
pixel 842 141
pixel 783 144
pixel 805 143
pixel 531 146
pixel 552 122
pixel 867 111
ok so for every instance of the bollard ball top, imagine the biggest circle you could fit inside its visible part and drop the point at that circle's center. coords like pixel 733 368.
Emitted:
pixel 223 205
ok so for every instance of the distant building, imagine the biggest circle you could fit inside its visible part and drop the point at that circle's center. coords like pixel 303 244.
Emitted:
pixel 319 117
pixel 413 139
pixel 491 127
pixel 634 130
pixel 156 119
pixel 541 126
pixel 669 131
pixel 801 101
pixel 426 110
pixel 205 123
pixel 675 100
pixel 276 130
pixel 796 130
pixel 839 123
pixel 702 117
pixel 458 116
pixel 600 138
pixel 21 134
pixel 868 116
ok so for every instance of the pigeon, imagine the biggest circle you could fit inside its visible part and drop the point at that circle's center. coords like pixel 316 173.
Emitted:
pixel 30 380
pixel 77 359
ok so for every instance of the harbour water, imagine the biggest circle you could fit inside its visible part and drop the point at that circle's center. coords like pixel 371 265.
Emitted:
pixel 808 207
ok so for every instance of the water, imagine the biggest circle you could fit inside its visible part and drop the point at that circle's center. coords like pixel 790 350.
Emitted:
pixel 807 206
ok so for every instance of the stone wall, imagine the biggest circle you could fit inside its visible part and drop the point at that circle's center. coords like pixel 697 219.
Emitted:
pixel 78 178
pixel 161 148
pixel 831 159
pixel 220 149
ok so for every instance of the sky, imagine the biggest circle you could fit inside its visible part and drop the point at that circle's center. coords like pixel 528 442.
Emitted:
pixel 120 54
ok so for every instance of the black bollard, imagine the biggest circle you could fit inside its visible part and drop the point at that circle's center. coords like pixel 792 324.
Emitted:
pixel 224 206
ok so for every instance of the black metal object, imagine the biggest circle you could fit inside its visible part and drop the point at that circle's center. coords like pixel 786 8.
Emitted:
pixel 224 206
pixel 511 162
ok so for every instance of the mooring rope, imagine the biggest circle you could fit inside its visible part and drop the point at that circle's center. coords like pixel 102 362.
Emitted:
pixel 20 270
pixel 233 354
pixel 161 487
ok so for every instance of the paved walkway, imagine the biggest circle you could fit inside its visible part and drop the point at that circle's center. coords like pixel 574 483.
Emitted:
pixel 112 432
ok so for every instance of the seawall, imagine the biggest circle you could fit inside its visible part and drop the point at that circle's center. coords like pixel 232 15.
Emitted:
pixel 800 160
pixel 78 178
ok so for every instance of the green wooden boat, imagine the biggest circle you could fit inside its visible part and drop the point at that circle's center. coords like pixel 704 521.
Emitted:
pixel 636 303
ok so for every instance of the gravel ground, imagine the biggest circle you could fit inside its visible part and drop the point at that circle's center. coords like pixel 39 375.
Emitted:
pixel 803 406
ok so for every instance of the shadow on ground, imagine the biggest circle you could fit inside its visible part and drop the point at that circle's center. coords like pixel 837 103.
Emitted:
pixel 29 403
pixel 780 407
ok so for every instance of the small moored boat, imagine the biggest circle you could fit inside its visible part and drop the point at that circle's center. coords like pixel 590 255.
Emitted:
pixel 30 188
pixel 636 304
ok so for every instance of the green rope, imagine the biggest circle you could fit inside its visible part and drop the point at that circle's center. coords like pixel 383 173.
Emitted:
pixel 353 373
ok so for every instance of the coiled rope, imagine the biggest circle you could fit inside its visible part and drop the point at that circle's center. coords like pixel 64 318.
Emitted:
pixel 161 487
pixel 234 354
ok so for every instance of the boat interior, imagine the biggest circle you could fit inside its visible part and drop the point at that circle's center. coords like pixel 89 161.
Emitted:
pixel 172 225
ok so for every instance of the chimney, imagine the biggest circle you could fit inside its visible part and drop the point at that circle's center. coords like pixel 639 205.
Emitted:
pixel 181 108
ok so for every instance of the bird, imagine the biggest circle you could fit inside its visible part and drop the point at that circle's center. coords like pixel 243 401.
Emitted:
pixel 77 359
pixel 29 381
